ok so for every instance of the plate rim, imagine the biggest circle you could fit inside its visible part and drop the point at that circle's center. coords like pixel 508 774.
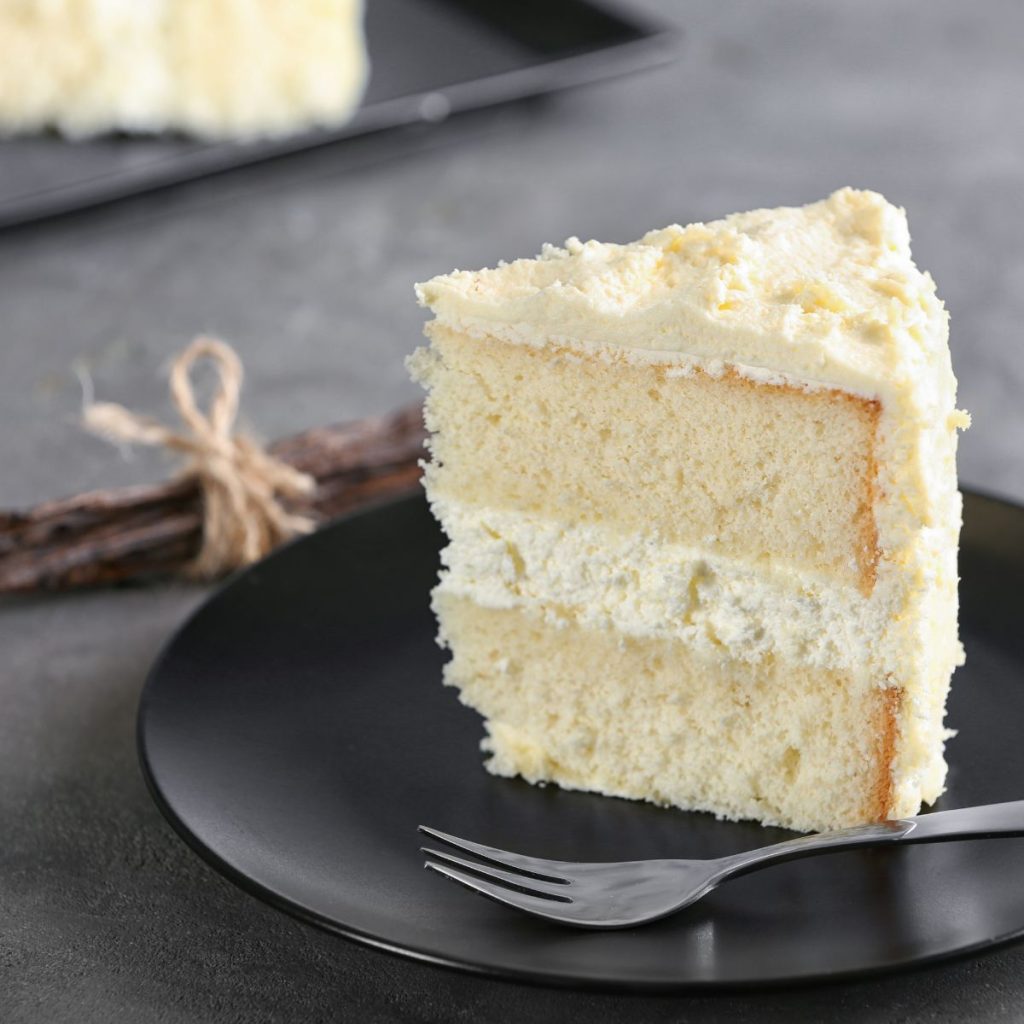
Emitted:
pixel 539 978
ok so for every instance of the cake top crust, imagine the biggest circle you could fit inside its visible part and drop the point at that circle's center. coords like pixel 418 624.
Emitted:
pixel 826 293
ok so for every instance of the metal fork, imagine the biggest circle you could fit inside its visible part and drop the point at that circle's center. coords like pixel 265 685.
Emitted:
pixel 626 893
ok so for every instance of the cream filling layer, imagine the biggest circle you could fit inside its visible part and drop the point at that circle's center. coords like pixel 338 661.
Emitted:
pixel 641 587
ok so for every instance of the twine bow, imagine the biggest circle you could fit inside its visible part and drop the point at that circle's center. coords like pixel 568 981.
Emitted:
pixel 241 485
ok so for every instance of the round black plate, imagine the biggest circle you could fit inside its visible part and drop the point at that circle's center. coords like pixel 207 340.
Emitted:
pixel 295 732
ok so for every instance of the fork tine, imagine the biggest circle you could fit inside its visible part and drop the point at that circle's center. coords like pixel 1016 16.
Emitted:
pixel 532 867
pixel 538 905
pixel 531 886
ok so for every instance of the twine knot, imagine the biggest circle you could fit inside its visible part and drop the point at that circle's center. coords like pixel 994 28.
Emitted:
pixel 240 485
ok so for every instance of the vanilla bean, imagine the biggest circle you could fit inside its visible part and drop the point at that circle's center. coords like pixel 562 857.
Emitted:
pixel 135 533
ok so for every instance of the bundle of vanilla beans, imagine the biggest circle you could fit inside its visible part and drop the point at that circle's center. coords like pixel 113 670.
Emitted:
pixel 137 533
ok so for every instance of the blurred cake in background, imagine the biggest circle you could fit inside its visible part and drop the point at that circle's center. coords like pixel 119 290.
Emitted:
pixel 212 68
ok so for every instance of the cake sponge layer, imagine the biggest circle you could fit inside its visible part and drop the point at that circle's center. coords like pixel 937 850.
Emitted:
pixel 803 748
pixel 655 446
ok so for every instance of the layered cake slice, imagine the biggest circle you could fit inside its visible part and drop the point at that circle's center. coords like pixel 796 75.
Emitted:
pixel 700 493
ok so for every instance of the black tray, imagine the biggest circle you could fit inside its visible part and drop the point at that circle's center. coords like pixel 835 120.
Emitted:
pixel 428 58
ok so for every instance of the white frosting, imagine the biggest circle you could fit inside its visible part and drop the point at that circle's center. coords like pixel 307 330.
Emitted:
pixel 826 292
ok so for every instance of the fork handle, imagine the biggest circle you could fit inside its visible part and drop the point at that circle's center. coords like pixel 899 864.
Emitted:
pixel 984 822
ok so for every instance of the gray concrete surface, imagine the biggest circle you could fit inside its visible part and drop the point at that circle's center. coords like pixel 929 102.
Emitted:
pixel 306 266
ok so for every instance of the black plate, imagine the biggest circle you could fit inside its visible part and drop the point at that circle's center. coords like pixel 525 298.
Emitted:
pixel 295 732
pixel 428 58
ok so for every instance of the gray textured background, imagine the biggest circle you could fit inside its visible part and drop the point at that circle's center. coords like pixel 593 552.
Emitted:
pixel 306 266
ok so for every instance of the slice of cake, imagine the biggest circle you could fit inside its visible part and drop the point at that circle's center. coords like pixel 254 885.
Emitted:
pixel 214 68
pixel 701 498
